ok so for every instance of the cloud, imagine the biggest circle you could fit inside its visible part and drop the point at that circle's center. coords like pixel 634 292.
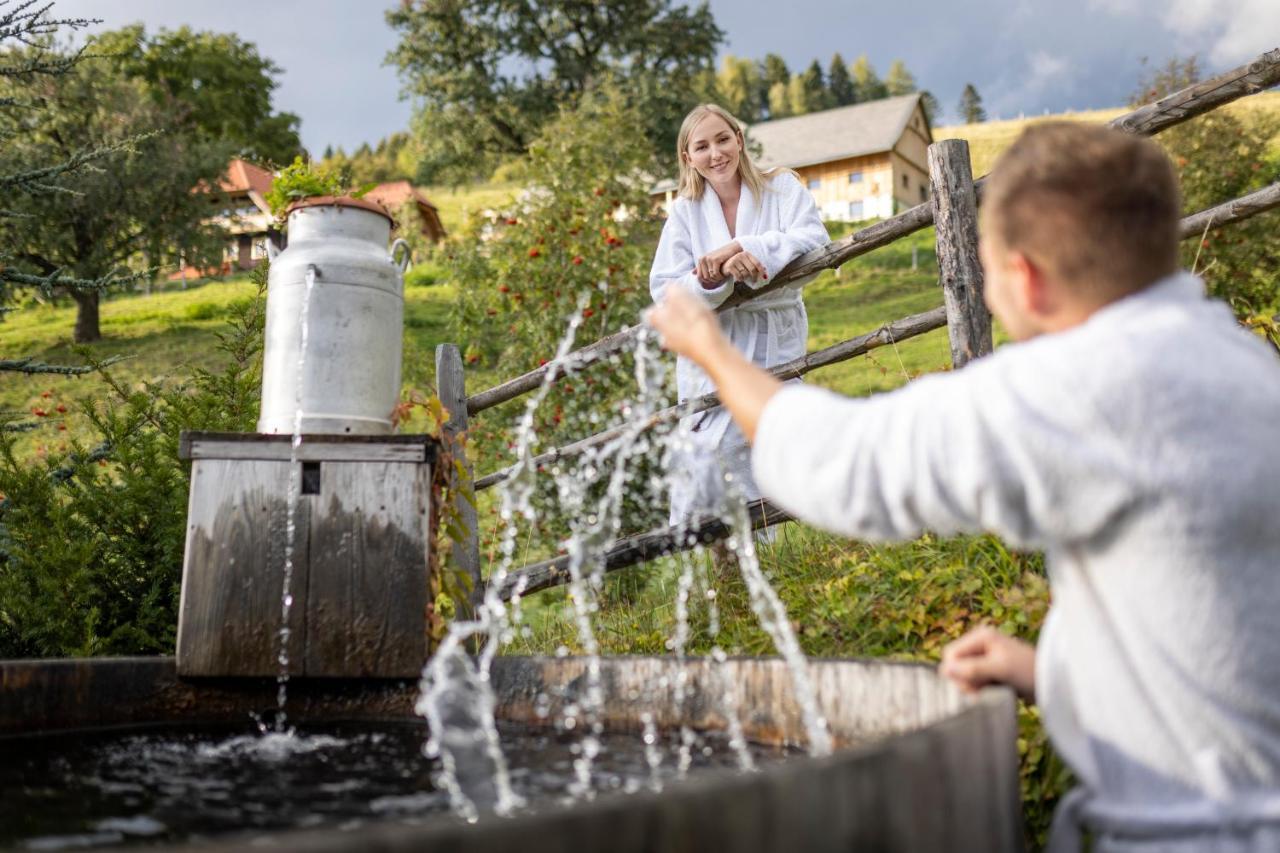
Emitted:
pixel 1227 32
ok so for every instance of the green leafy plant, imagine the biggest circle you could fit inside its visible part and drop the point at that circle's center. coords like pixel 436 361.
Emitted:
pixel 302 179
pixel 91 539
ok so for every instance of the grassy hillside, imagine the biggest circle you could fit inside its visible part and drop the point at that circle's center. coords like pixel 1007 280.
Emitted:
pixel 987 139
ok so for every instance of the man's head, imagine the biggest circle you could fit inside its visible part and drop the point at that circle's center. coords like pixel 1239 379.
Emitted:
pixel 1075 216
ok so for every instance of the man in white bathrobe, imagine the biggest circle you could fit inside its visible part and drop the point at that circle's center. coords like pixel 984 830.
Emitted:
pixel 1132 435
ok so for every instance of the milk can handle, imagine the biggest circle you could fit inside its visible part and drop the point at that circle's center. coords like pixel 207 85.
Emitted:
pixel 403 263
pixel 272 251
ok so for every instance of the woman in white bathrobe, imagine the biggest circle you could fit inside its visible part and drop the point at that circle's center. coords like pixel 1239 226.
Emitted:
pixel 731 222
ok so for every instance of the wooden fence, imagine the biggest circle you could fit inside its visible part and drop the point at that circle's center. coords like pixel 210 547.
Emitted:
pixel 952 208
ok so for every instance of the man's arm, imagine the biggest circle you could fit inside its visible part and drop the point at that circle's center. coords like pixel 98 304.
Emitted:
pixel 689 329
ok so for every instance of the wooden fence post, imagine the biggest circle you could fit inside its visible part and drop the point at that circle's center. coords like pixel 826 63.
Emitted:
pixel 451 386
pixel 955 215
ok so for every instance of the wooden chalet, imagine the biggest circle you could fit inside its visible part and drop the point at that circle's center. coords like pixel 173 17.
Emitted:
pixel 862 161
pixel 395 195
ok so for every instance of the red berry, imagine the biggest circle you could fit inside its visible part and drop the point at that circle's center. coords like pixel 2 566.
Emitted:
pixel 502 288
pixel 533 253
pixel 39 413
pixel 599 190
pixel 513 221
pixel 62 427
pixel 47 394
pixel 587 312
pixel 577 260
pixel 62 409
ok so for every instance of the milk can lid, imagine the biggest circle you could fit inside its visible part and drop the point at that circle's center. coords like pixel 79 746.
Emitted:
pixel 340 201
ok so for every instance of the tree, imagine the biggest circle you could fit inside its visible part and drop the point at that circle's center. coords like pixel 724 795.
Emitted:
pixel 866 81
pixel 779 100
pixel 839 83
pixel 807 91
pixel 738 85
pixel 1154 83
pixel 489 74
pixel 211 84
pixel 971 105
pixel 774 70
pixel 142 197
pixel 899 81
pixel 932 109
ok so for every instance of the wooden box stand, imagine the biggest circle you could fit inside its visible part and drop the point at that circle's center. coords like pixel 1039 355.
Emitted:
pixel 360 559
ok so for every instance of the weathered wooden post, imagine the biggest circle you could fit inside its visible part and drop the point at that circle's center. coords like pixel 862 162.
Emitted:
pixel 955 215
pixel 451 386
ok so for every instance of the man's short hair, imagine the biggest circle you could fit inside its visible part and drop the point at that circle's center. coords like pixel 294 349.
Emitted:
pixel 1095 208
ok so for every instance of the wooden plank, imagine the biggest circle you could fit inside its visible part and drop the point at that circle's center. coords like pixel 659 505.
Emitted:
pixel 1256 76
pixel 233 571
pixel 314 448
pixel 1260 201
pixel 366 595
pixel 451 387
pixel 955 212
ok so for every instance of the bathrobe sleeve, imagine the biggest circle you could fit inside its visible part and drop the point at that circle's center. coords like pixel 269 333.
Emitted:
pixel 965 451
pixel 802 229
pixel 674 261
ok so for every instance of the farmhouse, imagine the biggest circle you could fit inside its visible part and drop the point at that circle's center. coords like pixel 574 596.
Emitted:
pixel 860 162
pixel 402 197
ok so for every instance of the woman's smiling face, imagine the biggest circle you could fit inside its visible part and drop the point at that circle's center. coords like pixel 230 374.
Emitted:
pixel 713 150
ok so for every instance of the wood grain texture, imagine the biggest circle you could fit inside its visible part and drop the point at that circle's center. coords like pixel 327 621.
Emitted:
pixel 232 571
pixel 452 389
pixel 955 214
pixel 366 590
pixel 1260 201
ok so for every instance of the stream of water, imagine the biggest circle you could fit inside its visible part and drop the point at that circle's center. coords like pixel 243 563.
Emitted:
pixel 456 698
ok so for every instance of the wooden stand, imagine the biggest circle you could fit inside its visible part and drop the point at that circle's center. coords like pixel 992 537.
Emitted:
pixel 360 570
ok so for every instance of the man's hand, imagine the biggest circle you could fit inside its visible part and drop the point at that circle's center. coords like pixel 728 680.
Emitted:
pixel 710 267
pixel 985 656
pixel 687 326
pixel 745 267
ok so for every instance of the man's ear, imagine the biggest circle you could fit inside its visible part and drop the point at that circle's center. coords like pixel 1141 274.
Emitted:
pixel 1030 289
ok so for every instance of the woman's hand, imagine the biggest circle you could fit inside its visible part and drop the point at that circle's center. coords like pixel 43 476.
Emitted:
pixel 709 267
pixel 985 656
pixel 744 266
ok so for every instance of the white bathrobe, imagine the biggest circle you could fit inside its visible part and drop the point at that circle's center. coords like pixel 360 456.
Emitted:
pixel 769 330
pixel 1140 451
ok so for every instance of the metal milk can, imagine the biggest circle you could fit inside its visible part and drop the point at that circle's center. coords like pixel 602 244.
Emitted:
pixel 346 377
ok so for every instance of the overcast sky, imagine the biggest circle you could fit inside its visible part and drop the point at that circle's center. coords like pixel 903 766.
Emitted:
pixel 1024 56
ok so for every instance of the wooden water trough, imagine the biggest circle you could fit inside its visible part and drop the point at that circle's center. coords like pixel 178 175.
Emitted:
pixel 918 766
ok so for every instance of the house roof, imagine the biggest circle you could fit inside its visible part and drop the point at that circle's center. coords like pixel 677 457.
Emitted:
pixel 852 131
pixel 393 194
pixel 242 176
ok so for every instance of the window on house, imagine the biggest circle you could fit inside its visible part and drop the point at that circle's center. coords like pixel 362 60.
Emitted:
pixel 856 211
pixel 905 182
pixel 855 177
pixel 814 183
pixel 924 193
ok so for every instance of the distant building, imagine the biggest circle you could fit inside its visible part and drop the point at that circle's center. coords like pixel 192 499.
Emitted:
pixel 860 162
pixel 245 215
pixel 394 195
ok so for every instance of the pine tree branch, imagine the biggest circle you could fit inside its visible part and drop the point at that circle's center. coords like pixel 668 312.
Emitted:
pixel 47 283
pixel 30 366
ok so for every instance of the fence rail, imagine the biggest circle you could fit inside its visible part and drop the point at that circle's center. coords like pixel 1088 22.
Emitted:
pixel 953 207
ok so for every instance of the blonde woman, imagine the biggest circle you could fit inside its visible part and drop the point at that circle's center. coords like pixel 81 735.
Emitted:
pixel 731 222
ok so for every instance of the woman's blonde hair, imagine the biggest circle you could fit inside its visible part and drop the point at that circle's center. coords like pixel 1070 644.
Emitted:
pixel 693 184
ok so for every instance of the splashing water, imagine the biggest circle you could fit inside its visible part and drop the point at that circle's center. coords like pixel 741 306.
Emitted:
pixel 456 697
pixel 291 505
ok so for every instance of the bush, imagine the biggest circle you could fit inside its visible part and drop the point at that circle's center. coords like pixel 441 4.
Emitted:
pixel 579 241
pixel 91 541
pixel 1221 156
